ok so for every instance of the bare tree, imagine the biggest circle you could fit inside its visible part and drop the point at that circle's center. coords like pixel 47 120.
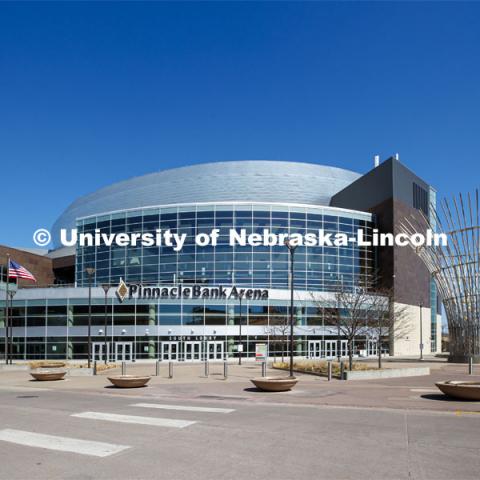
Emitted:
pixel 386 319
pixel 278 330
pixel 348 313
pixel 353 307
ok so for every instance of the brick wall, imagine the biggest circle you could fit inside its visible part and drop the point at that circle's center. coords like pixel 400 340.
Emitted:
pixel 40 266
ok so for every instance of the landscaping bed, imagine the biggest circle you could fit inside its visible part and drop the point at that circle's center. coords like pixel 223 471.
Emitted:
pixel 63 364
pixel 360 371
pixel 320 367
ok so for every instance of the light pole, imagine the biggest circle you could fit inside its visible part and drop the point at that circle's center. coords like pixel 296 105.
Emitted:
pixel 240 344
pixel 291 249
pixel 90 271
pixel 7 277
pixel 339 343
pixel 106 287
pixel 11 294
pixel 421 333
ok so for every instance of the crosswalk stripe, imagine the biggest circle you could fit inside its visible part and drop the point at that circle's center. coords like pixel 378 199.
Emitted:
pixel 183 408
pixel 153 421
pixel 63 444
pixel 15 389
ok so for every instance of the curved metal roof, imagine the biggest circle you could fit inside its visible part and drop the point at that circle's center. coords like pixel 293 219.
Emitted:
pixel 248 180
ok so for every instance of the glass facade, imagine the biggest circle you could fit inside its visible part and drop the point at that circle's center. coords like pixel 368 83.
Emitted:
pixel 53 323
pixel 57 328
pixel 433 286
pixel 316 268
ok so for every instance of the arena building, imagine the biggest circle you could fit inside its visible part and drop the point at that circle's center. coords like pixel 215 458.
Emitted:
pixel 221 301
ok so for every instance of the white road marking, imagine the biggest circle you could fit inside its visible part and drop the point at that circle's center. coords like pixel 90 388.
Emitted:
pixel 63 444
pixel 13 388
pixel 153 421
pixel 183 408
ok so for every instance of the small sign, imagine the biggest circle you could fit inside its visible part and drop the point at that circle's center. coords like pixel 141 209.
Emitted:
pixel 54 348
pixel 122 290
pixel 239 347
pixel 260 352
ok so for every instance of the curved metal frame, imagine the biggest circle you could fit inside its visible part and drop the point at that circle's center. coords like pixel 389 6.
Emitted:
pixel 455 269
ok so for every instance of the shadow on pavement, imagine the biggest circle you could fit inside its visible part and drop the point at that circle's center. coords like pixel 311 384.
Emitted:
pixel 124 388
pixel 444 398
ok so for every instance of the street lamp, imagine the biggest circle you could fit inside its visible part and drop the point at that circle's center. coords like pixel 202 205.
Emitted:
pixel 9 326
pixel 421 333
pixel 90 272
pixel 291 249
pixel 106 287
pixel 339 342
pixel 240 344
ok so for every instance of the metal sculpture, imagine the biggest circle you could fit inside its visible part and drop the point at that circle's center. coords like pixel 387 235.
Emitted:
pixel 455 269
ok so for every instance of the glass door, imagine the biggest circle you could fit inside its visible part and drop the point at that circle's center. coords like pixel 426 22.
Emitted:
pixel 123 351
pixel 215 350
pixel 98 351
pixel 371 348
pixel 314 348
pixel 169 351
pixel 330 348
pixel 193 351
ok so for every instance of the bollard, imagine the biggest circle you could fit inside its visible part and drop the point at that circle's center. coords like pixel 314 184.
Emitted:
pixel 470 366
pixel 207 368
pixel 342 371
pixel 170 369
pixel 329 370
pixel 264 369
pixel 95 367
pixel 124 368
pixel 157 368
pixel 225 369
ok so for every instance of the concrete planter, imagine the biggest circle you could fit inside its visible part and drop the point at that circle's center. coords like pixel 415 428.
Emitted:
pixel 53 365
pixel 129 381
pixel 48 375
pixel 274 384
pixel 386 373
pixel 459 389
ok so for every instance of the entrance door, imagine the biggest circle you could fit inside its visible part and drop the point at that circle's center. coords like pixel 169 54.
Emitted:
pixel 371 348
pixel 169 351
pixel 98 351
pixel 344 348
pixel 193 351
pixel 215 350
pixel 123 351
pixel 330 348
pixel 314 348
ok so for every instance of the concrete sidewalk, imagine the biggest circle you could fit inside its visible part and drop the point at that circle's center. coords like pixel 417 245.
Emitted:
pixel 189 382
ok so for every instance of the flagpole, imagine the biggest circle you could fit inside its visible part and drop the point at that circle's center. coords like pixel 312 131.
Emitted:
pixel 6 310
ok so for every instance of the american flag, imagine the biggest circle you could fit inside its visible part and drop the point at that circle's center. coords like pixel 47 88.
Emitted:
pixel 17 271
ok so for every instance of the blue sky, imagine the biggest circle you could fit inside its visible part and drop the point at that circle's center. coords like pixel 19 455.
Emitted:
pixel 93 93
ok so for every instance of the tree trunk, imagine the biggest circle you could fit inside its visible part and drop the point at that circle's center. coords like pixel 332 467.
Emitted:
pixel 379 353
pixel 350 355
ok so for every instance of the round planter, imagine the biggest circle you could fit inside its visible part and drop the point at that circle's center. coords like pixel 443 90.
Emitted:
pixel 274 384
pixel 460 389
pixel 129 381
pixel 48 376
pixel 53 365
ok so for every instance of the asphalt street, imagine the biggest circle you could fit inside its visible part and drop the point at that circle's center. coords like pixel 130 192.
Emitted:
pixel 184 433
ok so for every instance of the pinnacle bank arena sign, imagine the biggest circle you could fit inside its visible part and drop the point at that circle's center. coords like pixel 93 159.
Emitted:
pixel 141 292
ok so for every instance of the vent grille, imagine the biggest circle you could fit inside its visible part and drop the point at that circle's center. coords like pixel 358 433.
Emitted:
pixel 420 198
